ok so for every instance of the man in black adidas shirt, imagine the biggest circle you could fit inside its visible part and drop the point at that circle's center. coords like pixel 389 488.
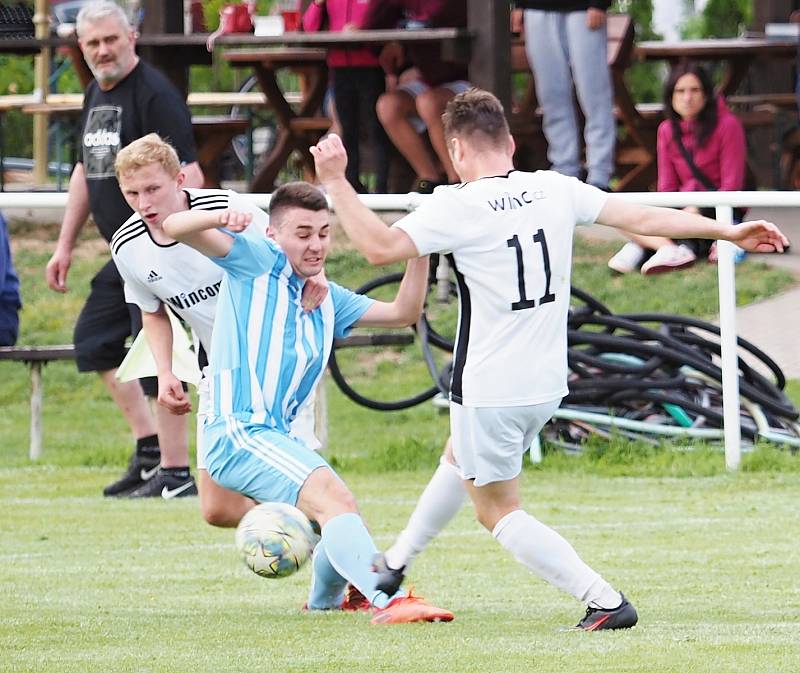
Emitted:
pixel 127 100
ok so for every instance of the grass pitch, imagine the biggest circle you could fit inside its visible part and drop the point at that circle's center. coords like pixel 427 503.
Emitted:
pixel 94 585
pixel 97 585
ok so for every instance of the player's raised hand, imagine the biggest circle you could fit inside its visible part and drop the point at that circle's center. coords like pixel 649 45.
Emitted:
pixel 330 158
pixel 172 395
pixel 235 221
pixel 759 236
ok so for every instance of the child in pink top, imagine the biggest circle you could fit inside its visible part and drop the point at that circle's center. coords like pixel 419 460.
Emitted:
pixel 357 81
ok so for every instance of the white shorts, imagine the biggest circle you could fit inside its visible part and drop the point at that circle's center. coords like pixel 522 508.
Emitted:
pixel 416 87
pixel 302 427
pixel 489 442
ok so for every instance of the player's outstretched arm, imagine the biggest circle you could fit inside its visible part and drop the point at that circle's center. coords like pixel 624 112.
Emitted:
pixel 158 330
pixel 408 303
pixel 200 229
pixel 379 243
pixel 756 236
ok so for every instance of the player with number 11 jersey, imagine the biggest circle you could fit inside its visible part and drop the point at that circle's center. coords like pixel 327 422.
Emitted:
pixel 511 243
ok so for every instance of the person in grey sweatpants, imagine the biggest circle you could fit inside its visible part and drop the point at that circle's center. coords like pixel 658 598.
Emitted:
pixel 565 41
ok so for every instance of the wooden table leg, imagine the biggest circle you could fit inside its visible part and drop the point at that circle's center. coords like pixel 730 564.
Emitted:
pixel 287 141
pixel 36 410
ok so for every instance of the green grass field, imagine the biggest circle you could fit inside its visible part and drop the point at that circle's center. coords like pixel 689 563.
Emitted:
pixel 107 586
pixel 114 585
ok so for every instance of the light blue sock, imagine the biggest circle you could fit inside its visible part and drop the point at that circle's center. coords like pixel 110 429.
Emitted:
pixel 327 585
pixel 350 551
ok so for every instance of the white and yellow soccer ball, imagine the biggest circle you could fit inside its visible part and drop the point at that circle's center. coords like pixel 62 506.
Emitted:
pixel 275 539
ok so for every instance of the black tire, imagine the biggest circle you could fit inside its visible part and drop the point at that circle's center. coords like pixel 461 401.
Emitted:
pixel 389 372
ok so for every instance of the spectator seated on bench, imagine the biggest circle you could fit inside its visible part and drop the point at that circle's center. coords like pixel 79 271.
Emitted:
pixel 10 300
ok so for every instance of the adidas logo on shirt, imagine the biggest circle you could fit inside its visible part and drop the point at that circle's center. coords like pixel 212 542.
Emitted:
pixel 152 277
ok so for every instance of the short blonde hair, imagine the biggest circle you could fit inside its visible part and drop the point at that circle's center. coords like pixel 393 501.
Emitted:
pixel 146 151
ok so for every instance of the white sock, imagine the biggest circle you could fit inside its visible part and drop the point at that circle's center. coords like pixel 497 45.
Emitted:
pixel 439 503
pixel 544 552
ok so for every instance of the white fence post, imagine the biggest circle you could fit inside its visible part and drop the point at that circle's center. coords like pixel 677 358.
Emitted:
pixel 729 351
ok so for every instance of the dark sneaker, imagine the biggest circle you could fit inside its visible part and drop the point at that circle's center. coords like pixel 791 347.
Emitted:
pixel 622 617
pixel 389 579
pixel 167 486
pixel 140 471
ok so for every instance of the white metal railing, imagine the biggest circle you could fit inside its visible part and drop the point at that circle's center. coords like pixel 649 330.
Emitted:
pixel 722 201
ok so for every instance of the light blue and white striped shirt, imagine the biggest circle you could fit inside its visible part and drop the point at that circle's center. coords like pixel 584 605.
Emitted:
pixel 267 353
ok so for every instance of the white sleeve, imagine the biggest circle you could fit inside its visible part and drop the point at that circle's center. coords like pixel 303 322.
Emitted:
pixel 432 227
pixel 135 291
pixel 588 200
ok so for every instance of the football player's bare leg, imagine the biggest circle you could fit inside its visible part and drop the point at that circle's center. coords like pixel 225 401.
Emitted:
pixel 220 506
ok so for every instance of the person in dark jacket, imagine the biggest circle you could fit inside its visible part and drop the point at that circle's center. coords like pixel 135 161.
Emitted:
pixel 10 300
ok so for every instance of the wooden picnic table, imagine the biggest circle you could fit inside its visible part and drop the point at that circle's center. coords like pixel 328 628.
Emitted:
pixel 297 128
pixel 302 124
pixel 738 54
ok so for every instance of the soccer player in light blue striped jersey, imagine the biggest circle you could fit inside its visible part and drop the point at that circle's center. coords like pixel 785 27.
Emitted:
pixel 267 355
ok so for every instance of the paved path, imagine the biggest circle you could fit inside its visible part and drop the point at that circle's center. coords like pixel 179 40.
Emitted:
pixel 774 325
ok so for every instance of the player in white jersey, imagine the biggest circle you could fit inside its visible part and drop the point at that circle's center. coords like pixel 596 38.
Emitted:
pixel 510 235
pixel 267 355
pixel 159 272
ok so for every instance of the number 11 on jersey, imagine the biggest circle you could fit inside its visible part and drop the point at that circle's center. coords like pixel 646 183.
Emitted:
pixel 547 297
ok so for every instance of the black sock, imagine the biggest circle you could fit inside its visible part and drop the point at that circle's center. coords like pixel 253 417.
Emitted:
pixel 147 447
pixel 177 472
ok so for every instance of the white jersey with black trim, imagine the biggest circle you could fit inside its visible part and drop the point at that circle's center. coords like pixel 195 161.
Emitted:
pixel 511 242
pixel 176 274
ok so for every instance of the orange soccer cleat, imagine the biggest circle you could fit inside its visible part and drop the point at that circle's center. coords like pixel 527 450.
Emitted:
pixel 405 609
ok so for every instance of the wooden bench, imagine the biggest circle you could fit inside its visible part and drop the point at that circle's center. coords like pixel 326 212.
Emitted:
pixel 35 357
pixel 212 135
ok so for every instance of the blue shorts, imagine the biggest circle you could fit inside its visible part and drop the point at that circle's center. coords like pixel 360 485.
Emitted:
pixel 262 463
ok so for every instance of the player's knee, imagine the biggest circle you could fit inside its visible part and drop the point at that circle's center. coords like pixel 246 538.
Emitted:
pixel 217 514
pixel 219 507
pixel 489 514
pixel 325 496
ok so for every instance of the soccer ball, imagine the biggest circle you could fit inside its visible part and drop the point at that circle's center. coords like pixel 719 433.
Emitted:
pixel 275 539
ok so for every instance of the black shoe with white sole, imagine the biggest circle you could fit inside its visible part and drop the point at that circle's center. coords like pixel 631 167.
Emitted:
pixel 621 617
pixel 167 486
pixel 141 469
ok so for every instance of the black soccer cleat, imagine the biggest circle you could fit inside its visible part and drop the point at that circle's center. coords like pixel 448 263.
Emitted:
pixel 140 470
pixel 389 579
pixel 167 486
pixel 622 617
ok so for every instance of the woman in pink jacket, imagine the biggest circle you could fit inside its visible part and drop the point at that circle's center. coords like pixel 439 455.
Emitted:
pixel 701 147
pixel 358 80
